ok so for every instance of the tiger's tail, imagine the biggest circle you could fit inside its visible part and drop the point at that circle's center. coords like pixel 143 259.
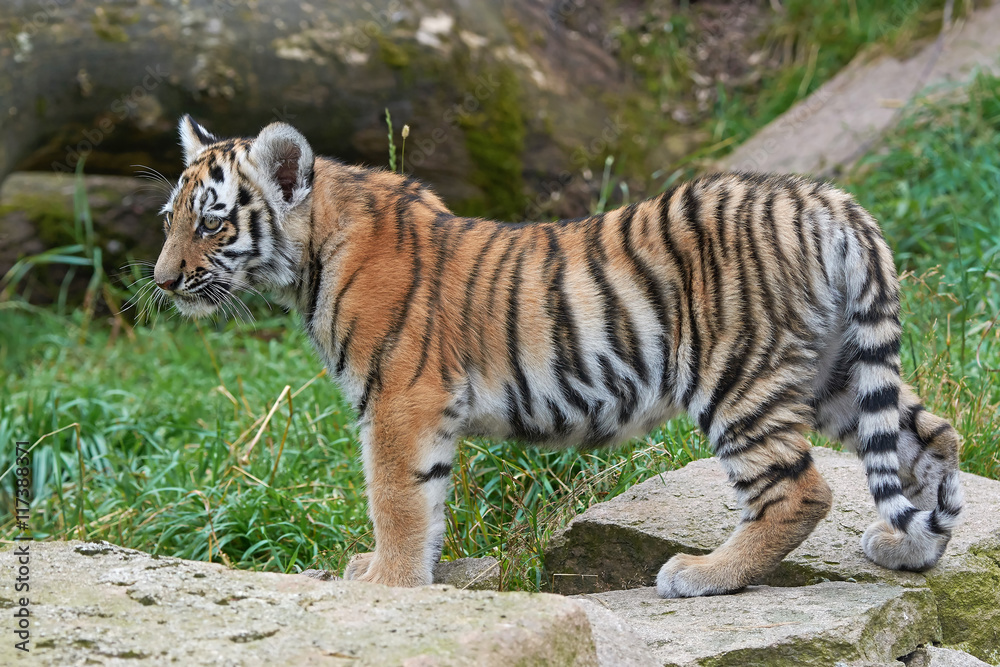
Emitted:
pixel 894 432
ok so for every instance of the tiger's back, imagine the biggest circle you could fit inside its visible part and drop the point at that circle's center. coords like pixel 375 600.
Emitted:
pixel 761 306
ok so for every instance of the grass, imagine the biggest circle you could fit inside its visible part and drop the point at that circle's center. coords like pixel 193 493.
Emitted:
pixel 221 441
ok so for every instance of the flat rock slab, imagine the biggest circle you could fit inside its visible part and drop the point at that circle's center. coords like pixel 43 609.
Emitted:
pixel 622 543
pixel 97 603
pixel 762 626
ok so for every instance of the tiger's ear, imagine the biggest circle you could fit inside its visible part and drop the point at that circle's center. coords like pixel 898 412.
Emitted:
pixel 194 138
pixel 284 161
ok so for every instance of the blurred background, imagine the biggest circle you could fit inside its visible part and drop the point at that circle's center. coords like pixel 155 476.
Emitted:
pixel 220 440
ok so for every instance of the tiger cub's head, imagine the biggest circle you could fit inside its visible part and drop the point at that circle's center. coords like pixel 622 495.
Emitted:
pixel 231 220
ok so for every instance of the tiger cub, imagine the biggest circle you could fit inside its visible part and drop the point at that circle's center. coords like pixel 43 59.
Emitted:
pixel 762 306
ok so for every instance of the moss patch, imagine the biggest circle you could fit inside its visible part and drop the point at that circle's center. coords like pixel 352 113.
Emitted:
pixel 968 603
pixel 494 139
pixel 51 216
pixel 391 53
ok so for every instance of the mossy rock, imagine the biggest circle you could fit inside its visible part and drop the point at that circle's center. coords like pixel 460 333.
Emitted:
pixel 623 542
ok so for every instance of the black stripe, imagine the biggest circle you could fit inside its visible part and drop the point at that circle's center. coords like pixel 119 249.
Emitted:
pixel 691 208
pixel 216 173
pixel 762 510
pixel 881 399
pixel 734 369
pixel 745 426
pixel 388 342
pixel 470 284
pixel 444 250
pixel 565 336
pixel 255 232
pixel 878 443
pixel 513 336
pixel 402 218
pixel 615 318
pixel 520 430
pixel 902 520
pixel 885 491
pixel 338 301
pixel 775 473
pixel 437 471
pixel 763 284
pixel 934 526
pixel 491 297
pixel 342 357
pixel 315 279
pixel 669 377
pixel 559 422
pixel 651 289
pixel 718 258
pixel 799 219
pixel 203 136
pixel 881 354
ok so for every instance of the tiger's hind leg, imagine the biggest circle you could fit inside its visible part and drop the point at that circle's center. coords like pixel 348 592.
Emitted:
pixel 783 496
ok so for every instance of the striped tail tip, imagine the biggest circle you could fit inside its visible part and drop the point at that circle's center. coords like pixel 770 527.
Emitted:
pixel 915 540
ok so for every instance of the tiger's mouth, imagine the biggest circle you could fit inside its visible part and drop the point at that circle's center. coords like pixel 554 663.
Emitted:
pixel 195 305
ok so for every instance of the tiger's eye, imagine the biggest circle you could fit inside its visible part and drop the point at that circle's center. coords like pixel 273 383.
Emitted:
pixel 211 224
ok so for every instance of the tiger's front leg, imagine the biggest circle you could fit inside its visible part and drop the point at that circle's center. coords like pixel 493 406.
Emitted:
pixel 407 452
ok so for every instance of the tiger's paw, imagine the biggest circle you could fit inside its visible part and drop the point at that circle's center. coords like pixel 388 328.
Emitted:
pixel 685 576
pixel 899 550
pixel 368 567
pixel 358 566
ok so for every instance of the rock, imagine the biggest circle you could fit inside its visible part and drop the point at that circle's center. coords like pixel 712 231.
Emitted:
pixel 623 542
pixel 835 125
pixel 36 214
pixel 481 84
pixel 321 575
pixel 822 624
pixel 96 603
pixel 932 656
pixel 474 574
pixel 617 645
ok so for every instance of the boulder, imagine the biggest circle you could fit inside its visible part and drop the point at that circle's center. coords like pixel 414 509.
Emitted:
pixel 97 603
pixel 617 645
pixel 622 543
pixel 474 574
pixel 824 624
pixel 932 656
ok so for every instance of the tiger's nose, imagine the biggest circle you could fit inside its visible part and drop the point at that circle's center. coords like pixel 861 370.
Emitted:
pixel 170 284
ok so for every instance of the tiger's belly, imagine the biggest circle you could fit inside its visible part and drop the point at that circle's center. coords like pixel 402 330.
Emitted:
pixel 561 416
